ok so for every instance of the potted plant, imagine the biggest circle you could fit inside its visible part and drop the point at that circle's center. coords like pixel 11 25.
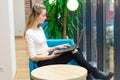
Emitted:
pixel 61 21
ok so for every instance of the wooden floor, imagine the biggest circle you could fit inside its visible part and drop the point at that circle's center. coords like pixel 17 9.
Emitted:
pixel 22 57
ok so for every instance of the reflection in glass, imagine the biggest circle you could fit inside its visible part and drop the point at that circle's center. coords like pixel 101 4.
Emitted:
pixel 93 32
pixel 109 35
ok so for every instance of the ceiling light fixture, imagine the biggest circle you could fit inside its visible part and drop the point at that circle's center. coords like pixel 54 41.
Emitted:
pixel 72 5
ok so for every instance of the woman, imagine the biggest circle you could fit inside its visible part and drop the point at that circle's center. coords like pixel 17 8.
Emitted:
pixel 39 50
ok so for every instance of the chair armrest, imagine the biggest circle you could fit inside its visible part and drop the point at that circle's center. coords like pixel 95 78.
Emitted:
pixel 32 65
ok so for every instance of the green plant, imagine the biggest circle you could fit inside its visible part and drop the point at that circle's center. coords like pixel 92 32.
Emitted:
pixel 61 20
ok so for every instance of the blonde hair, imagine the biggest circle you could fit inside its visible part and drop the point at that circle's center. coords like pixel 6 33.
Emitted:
pixel 35 11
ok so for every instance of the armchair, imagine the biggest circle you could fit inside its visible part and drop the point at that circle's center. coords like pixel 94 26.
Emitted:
pixel 54 42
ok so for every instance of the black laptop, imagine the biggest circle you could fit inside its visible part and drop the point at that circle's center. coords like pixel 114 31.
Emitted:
pixel 71 48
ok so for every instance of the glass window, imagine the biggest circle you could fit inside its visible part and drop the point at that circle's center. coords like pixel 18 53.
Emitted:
pixel 109 35
pixel 93 31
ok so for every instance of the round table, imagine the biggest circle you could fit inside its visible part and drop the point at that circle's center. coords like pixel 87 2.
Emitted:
pixel 59 72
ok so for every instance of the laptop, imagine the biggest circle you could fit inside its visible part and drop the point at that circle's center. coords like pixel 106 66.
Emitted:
pixel 71 48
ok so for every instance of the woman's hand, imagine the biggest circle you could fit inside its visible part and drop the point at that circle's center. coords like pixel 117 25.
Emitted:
pixel 63 45
pixel 54 55
pixel 74 51
pixel 58 47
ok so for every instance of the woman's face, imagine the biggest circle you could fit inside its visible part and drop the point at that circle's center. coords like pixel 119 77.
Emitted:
pixel 42 17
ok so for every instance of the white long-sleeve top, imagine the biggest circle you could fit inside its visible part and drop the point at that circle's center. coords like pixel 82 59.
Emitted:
pixel 36 42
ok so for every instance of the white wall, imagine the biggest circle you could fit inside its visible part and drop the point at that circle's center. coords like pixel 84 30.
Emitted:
pixel 19 17
pixel 7 42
